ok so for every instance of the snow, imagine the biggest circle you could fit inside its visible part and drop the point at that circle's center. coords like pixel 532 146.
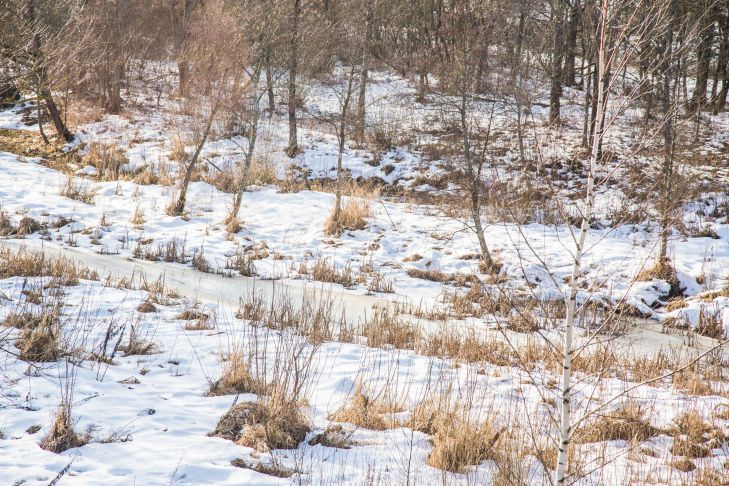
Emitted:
pixel 160 426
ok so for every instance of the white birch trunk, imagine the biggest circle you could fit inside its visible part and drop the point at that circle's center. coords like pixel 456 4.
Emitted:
pixel 566 412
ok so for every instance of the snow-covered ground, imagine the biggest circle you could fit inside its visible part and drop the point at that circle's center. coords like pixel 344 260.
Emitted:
pixel 153 429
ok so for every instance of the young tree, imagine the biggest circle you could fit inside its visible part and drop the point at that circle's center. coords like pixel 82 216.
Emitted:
pixel 259 23
pixel 28 42
pixel 468 26
pixel 213 59
pixel 293 66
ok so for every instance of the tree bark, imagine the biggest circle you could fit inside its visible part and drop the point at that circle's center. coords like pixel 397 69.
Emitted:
pixel 179 206
pixel 252 137
pixel 703 55
pixel 293 147
pixel 568 71
pixel 364 68
pixel 565 421
pixel 555 90
pixel 269 84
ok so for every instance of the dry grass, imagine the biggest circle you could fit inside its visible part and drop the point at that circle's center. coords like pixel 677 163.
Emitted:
pixel 458 440
pixel 694 437
pixel 432 275
pixel 107 159
pixel 334 436
pixel 387 328
pixel 629 422
pixel 237 378
pixel 710 324
pixel 352 217
pixel 78 190
pixel 241 262
pixel 138 345
pixel 264 425
pixel 364 410
pixel 663 271
pixel 62 435
pixel 137 218
pixel 324 270
pixel 40 343
pixel 26 226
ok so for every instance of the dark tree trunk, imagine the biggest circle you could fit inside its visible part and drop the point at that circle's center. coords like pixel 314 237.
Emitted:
pixel 555 91
pixel 568 71
pixel 703 55
pixel 293 147
pixel 269 85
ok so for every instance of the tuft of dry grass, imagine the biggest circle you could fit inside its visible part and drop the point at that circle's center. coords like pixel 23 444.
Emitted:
pixel 458 440
pixel 237 378
pixel 387 328
pixel 432 275
pixel 363 410
pixel 264 425
pixel 324 270
pixel 107 159
pixel 693 437
pixel 79 191
pixel 662 271
pixel 62 435
pixel 138 217
pixel 137 345
pixel 629 422
pixel 710 324
pixel 241 262
pixel 352 217
pixel 26 226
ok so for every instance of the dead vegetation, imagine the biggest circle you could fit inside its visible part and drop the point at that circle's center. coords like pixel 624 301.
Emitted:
pixel 237 377
pixel 459 440
pixel 629 422
pixel 138 343
pixel 107 159
pixel 62 435
pixel 78 190
pixel 264 425
pixel 25 263
pixel 365 410
pixel 352 216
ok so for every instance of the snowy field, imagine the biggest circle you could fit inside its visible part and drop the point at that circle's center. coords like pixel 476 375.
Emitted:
pixel 139 380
